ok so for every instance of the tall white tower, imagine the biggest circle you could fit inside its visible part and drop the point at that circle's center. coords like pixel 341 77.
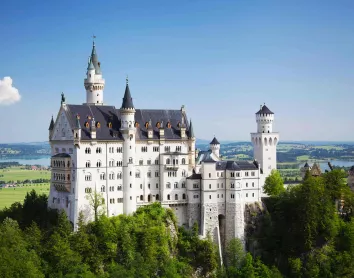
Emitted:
pixel 94 83
pixel 127 113
pixel 265 141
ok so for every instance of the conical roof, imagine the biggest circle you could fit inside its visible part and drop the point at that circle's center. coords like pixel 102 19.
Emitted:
pixel 264 110
pixel 51 125
pixel 191 131
pixel 94 59
pixel 214 141
pixel 127 99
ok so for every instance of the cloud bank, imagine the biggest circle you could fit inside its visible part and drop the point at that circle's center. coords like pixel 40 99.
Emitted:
pixel 8 94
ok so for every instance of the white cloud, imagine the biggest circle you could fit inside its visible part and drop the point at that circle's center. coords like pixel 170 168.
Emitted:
pixel 8 94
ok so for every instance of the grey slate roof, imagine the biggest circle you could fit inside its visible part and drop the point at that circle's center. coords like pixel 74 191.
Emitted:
pixel 264 110
pixel 214 142
pixel 109 114
pixel 195 176
pixel 306 165
pixel 191 131
pixel 94 59
pixel 235 165
pixel 51 125
pixel 127 99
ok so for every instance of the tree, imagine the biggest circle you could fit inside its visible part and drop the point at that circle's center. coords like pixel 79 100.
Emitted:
pixel 274 184
pixel 97 202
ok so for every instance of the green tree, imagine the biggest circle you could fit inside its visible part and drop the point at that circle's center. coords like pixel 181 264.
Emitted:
pixel 274 184
pixel 97 203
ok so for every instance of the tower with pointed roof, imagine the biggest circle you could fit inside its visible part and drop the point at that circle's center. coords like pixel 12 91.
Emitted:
pixel 94 83
pixel 51 127
pixel 128 131
pixel 215 147
pixel 265 141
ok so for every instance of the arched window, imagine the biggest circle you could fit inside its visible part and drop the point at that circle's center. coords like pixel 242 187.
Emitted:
pixel 265 141
pixel 168 161
pixel 98 164
pixel 168 197
pixel 183 161
pixel 157 197
pixel 103 188
pixel 141 198
pixel 149 198
pixel 119 176
pixel 176 196
pixel 184 196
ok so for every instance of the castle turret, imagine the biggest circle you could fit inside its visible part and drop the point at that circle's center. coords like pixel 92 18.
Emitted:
pixel 94 83
pixel 215 147
pixel 191 152
pixel 77 130
pixel 51 128
pixel 127 113
pixel 265 141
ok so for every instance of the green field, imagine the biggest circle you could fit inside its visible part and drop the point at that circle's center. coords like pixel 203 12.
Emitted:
pixel 329 147
pixel 21 174
pixel 8 196
pixel 303 158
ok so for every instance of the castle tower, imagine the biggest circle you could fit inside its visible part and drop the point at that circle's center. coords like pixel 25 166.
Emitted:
pixel 215 147
pixel 127 129
pixel 191 150
pixel 265 141
pixel 94 83
pixel 51 128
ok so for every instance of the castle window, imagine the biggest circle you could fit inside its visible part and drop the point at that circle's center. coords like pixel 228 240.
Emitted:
pixel 176 197
pixel 141 162
pixel 178 148
pixel 252 184
pixel 109 125
pixel 119 176
pixel 146 125
pixel 209 175
pixel 156 162
pixel 218 185
pixel 218 195
pixel 222 185
pixel 157 185
pixel 137 174
pixel 98 164
pixel 246 184
pixel 88 177
pixel 158 125
pixel 130 185
pixel 252 194
pixel 232 185
pixel 238 175
pixel 149 198
pixel 103 188
pixel 168 125
pixel 102 176
pixel 217 174
pixel 246 174
pixel 130 160
pixel 168 185
pixel 184 173
pixel 120 200
pixel 184 196
pixel 168 161
pixel 144 149
pixel 119 188
pixel 149 174
pixel 87 150
pixel 155 149
pixel 157 197
pixel 141 198
pixel 209 196
pixel 232 196
pixel 195 185
pixel 98 125
pixel 130 173
pixel 252 174
pixel 246 194
pixel 183 161
pixel 209 186
pixel 222 195
pixel 176 185
pixel 168 196
pixel 88 164
pixel 156 174
pixel 149 162
pixel 87 125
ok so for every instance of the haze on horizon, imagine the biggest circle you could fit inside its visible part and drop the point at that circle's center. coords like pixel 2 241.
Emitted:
pixel 221 59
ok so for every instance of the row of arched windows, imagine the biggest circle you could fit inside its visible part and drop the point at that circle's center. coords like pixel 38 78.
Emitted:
pixel 60 163
pixel 266 141
pixel 176 197
pixel 60 177
pixel 175 185
pixel 175 161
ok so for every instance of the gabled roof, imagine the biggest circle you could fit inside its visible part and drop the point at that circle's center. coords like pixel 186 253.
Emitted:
pixel 264 110
pixel 106 115
pixel 214 141
pixel 306 165
pixel 127 99
pixel 235 165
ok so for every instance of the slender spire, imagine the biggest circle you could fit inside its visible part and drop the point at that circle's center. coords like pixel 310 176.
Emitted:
pixel 51 126
pixel 127 99
pixel 191 132
pixel 94 58
pixel 90 65
pixel 77 124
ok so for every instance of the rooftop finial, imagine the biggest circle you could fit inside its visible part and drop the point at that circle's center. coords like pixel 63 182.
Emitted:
pixel 62 98
pixel 127 79
pixel 93 40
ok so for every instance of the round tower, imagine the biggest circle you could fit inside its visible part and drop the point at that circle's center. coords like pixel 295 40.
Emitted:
pixel 94 83
pixel 215 147
pixel 127 114
pixel 265 119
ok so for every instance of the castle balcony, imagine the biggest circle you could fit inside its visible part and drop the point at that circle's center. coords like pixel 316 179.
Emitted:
pixel 172 167
pixel 61 186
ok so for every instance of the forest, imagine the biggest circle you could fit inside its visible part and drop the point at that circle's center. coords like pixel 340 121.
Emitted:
pixel 306 230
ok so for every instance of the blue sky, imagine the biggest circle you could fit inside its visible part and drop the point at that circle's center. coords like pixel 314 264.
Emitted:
pixel 221 59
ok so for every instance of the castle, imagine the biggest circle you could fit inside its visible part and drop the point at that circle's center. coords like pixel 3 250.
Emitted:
pixel 133 157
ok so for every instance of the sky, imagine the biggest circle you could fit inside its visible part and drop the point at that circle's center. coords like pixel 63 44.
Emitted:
pixel 221 59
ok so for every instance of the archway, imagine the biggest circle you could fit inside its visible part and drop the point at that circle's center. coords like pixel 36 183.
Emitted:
pixel 222 229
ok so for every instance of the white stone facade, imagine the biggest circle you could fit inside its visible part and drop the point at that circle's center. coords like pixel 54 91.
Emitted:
pixel 135 157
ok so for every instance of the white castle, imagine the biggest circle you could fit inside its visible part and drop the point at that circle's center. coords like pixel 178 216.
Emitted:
pixel 133 157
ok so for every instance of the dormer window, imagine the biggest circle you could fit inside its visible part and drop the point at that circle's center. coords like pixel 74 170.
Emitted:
pixel 158 125
pixel 168 125
pixel 109 125
pixel 146 125
pixel 98 125
pixel 136 124
pixel 87 125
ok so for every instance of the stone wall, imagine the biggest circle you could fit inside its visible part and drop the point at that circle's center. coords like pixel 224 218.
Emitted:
pixel 194 212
